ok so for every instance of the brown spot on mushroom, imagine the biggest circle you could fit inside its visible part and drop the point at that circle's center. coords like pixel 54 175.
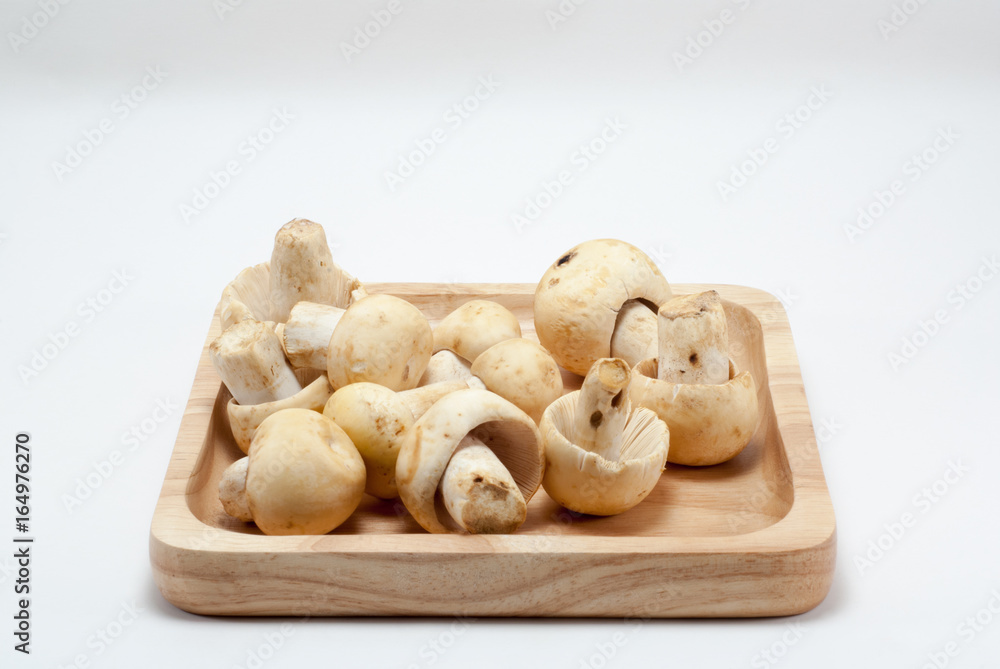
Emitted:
pixel 596 419
pixel 617 399
pixel 553 282
pixel 693 359
pixel 566 258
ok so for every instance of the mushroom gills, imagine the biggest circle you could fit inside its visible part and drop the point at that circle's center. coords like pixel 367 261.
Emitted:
pixel 693 340
pixel 478 491
pixel 251 362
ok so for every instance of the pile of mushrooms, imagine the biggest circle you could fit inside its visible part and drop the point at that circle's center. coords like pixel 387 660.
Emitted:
pixel 338 393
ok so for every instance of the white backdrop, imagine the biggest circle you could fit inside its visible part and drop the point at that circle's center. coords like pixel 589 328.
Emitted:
pixel 840 155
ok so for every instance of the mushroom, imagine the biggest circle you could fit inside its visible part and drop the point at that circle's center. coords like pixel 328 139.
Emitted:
pixel 304 476
pixel 249 359
pixel 233 490
pixel 381 339
pixel 601 456
pixel 521 371
pixel 302 268
pixel 599 299
pixel 479 454
pixel 307 333
pixel 464 334
pixel 244 419
pixel 711 416
pixel 376 419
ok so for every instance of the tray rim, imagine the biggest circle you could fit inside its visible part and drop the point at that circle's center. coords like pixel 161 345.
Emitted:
pixel 807 530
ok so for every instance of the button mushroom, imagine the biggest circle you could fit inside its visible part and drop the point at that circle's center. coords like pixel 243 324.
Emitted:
pixel 599 299
pixel 521 371
pixel 381 339
pixel 377 419
pixel 711 415
pixel 304 476
pixel 480 454
pixel 464 334
pixel 244 419
pixel 601 456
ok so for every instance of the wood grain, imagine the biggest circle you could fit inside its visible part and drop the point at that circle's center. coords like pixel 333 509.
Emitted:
pixel 752 537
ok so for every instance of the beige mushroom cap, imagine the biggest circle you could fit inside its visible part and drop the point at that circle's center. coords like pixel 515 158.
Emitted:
pixel 474 327
pixel 375 418
pixel 381 339
pixel 427 448
pixel 579 297
pixel 304 474
pixel 584 481
pixel 245 419
pixel 521 371
pixel 708 424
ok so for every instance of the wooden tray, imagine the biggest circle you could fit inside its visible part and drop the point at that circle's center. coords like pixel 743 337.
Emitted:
pixel 751 537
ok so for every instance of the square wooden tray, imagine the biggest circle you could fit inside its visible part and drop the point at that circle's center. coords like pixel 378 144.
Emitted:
pixel 752 537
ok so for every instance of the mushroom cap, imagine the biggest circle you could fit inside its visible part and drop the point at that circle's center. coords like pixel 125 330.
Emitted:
pixel 304 474
pixel 375 418
pixel 521 371
pixel 423 457
pixel 247 296
pixel 474 327
pixel 708 423
pixel 579 297
pixel 585 482
pixel 244 420
pixel 381 339
pixel 233 490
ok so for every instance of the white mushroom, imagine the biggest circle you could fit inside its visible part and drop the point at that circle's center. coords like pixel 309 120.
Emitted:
pixel 600 293
pixel 381 339
pixel 302 268
pixel 487 505
pixel 249 359
pixel 233 490
pixel 522 372
pixel 602 457
pixel 307 334
pixel 245 418
pixel 446 366
pixel 693 340
pixel 464 334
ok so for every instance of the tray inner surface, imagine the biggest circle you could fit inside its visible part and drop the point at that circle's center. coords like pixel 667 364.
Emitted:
pixel 748 493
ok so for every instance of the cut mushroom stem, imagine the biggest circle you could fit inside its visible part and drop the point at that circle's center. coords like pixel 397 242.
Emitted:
pixel 301 267
pixel 306 335
pixel 693 340
pixel 249 358
pixel 603 408
pixel 634 337
pixel 478 491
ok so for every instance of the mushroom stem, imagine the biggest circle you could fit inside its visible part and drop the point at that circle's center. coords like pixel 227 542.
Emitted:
pixel 233 491
pixel 419 400
pixel 479 492
pixel 446 366
pixel 249 358
pixel 602 408
pixel 301 267
pixel 693 340
pixel 306 335
pixel 634 337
